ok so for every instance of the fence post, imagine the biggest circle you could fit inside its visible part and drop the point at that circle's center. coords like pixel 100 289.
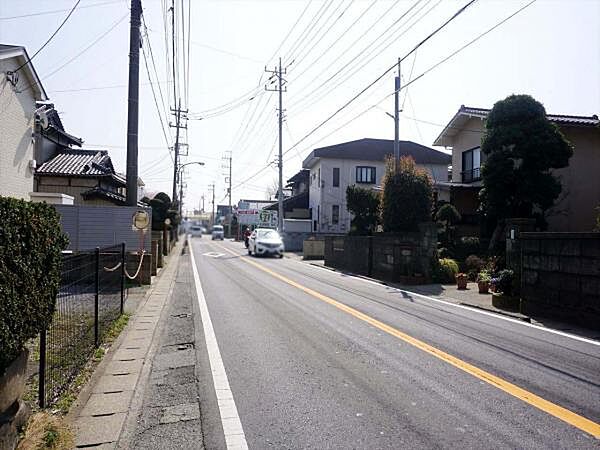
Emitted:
pixel 42 371
pixel 122 276
pixel 96 294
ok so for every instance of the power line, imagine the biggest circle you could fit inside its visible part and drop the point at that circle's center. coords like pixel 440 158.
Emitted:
pixel 291 30
pixel 345 105
pixel 50 38
pixel 162 125
pixel 70 60
pixel 56 11
pixel 468 44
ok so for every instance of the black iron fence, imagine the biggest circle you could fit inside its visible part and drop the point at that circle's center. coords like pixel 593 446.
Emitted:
pixel 90 299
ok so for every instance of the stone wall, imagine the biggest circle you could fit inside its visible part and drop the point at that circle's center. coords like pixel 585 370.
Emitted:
pixel 404 257
pixel 560 276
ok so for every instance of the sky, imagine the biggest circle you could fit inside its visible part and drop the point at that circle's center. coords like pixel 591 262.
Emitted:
pixel 331 50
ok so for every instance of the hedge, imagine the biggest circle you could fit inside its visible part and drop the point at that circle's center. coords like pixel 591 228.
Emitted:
pixel 31 242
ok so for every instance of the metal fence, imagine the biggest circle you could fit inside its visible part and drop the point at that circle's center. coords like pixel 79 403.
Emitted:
pixel 90 299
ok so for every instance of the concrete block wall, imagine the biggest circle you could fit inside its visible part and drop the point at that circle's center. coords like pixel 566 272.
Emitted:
pixel 405 257
pixel 560 276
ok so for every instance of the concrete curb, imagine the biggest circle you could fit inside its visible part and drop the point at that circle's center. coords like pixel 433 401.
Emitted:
pixel 103 405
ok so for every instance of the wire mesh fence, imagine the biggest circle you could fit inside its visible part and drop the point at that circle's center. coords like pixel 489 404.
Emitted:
pixel 90 298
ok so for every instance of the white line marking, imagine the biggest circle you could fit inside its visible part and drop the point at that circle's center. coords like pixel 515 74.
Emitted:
pixel 230 419
pixel 467 308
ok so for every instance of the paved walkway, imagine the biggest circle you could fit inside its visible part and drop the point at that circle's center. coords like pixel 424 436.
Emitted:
pixel 103 406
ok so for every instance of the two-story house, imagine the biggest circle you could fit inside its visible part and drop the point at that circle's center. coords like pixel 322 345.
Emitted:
pixel 20 90
pixel 574 210
pixel 296 205
pixel 361 162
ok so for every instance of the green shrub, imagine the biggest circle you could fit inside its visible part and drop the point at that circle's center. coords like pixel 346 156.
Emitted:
pixel 504 282
pixel 407 196
pixel 31 242
pixel 364 206
pixel 445 271
pixel 473 264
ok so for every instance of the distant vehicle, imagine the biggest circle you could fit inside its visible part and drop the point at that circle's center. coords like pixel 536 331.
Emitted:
pixel 264 241
pixel 196 231
pixel 217 232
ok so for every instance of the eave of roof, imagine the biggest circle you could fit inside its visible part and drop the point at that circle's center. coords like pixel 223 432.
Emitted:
pixel 369 149
pixel 19 52
pixel 114 197
pixel 465 113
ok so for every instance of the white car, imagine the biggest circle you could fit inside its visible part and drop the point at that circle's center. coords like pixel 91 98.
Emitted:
pixel 196 231
pixel 217 232
pixel 264 241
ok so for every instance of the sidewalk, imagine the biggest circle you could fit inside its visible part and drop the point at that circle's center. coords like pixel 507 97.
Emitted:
pixel 469 297
pixel 103 407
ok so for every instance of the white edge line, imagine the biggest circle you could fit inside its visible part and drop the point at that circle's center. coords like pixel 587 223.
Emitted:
pixel 475 310
pixel 230 419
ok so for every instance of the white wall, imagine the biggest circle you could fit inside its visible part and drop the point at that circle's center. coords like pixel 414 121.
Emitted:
pixel 16 128
pixel 325 195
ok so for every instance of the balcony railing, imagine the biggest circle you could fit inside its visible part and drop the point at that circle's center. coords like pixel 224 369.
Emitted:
pixel 468 176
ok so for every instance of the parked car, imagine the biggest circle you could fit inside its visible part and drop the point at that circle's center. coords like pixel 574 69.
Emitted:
pixel 217 232
pixel 196 231
pixel 264 241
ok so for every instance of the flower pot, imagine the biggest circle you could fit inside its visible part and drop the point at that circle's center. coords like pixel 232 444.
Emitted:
pixel 461 281
pixel 483 287
pixel 13 411
pixel 12 382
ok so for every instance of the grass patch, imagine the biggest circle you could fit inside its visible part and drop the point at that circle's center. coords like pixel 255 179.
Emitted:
pixel 46 431
pixel 115 329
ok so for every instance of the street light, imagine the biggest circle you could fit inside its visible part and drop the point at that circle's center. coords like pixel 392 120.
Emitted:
pixel 200 163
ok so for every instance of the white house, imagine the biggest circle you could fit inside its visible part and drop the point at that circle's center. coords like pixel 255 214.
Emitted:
pixel 20 89
pixel 361 162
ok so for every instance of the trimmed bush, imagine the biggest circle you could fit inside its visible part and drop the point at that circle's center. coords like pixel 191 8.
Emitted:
pixel 31 241
pixel 407 196
pixel 364 205
pixel 446 271
pixel 473 265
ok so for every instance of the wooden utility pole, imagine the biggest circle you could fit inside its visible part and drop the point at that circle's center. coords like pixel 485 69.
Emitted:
pixel 133 104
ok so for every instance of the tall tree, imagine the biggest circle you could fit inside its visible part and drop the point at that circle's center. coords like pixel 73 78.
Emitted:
pixel 364 206
pixel 521 146
pixel 407 195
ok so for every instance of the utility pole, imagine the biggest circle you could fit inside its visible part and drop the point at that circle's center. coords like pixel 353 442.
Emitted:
pixel 202 207
pixel 179 115
pixel 133 104
pixel 397 117
pixel 229 193
pixel 279 72
pixel 212 217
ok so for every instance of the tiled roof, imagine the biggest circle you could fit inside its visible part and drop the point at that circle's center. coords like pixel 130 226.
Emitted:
pixel 457 123
pixel 560 119
pixel 377 150
pixel 114 197
pixel 84 163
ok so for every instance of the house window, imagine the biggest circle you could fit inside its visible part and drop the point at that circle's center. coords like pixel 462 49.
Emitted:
pixel 365 174
pixel 471 165
pixel 335 214
pixel 336 177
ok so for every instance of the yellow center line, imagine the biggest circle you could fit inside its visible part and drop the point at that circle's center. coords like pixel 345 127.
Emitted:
pixel 542 404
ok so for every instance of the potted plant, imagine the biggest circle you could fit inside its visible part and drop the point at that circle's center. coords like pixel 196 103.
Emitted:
pixel 461 280
pixel 483 281
pixel 504 290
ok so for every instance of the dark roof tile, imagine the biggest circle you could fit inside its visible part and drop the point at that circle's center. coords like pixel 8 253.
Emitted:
pixel 377 150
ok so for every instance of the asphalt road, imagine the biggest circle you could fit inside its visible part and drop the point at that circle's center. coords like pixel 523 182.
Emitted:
pixel 319 359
